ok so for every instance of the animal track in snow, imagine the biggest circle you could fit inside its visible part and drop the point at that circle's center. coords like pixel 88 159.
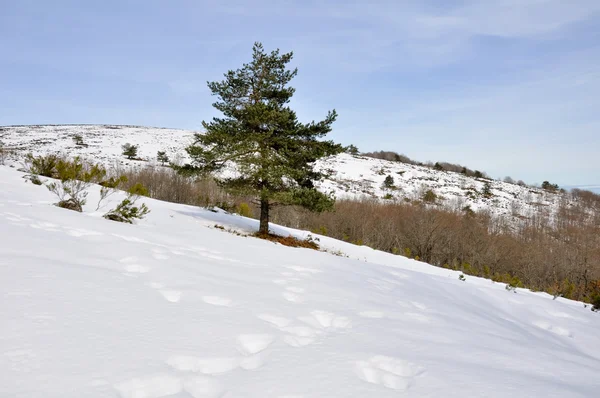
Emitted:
pixel 417 316
pixel 303 270
pixel 390 372
pixel 79 232
pixel 128 259
pixel 171 295
pixel 153 386
pixel 218 301
pixel 159 254
pixel 156 285
pixel 294 298
pixel 203 387
pixel 136 268
pixel 164 385
pixel 326 320
pixel 299 336
pixel 249 344
pixel 46 226
pixel 400 275
pixel 276 321
pixel 372 314
pixel 209 366
pixel 385 285
pixel 131 238
pixel 419 306
pixel 554 329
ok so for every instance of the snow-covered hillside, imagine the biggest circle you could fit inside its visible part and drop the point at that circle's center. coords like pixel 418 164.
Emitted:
pixel 174 307
pixel 353 176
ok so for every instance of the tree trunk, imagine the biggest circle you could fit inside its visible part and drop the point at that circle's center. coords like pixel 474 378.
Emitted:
pixel 264 217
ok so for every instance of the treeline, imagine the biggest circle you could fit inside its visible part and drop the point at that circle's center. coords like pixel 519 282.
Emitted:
pixel 445 166
pixel 557 252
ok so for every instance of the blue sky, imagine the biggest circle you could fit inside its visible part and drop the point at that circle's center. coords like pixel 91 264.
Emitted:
pixel 509 87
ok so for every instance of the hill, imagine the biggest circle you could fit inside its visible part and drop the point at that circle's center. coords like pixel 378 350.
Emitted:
pixel 353 177
pixel 174 307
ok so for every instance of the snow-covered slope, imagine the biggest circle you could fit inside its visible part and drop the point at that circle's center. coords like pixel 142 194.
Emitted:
pixel 353 176
pixel 173 307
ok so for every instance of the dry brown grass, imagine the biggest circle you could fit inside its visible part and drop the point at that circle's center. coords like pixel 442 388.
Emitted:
pixel 289 241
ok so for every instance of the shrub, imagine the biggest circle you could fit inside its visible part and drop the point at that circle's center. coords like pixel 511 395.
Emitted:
pixel 127 212
pixel 351 149
pixel 162 157
pixel 487 190
pixel 78 140
pixel 75 178
pixel 549 187
pixel 429 196
pixel 129 150
pixel 35 180
pixel 138 190
pixel 4 153
pixel 109 186
pixel 244 210
pixel 595 302
pixel 41 165
pixel 388 182
pixel 388 196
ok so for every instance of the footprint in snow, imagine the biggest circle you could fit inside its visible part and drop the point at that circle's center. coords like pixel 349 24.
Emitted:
pixel 159 254
pixel 389 372
pixel 172 296
pixel 326 320
pixel 250 344
pixel 292 297
pixel 218 301
pixel 164 385
pixel 46 226
pixel 303 270
pixel 560 331
pixel 80 232
pixel 277 321
pixel 372 314
pixel 136 268
pixel 207 366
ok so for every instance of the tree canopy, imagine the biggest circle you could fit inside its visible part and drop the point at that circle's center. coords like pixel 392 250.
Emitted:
pixel 259 135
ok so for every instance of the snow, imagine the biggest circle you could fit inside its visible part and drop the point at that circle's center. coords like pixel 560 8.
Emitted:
pixel 353 177
pixel 174 307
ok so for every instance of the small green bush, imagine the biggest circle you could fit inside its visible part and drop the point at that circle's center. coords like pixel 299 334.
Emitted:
pixel 244 210
pixel 41 165
pixel 429 196
pixel 75 178
pixel 388 182
pixel 138 190
pixel 127 212
pixel 595 302
pixel 162 157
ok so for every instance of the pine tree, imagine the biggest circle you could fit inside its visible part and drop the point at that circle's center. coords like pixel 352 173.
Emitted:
pixel 129 150
pixel 162 157
pixel 272 151
pixel 388 182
